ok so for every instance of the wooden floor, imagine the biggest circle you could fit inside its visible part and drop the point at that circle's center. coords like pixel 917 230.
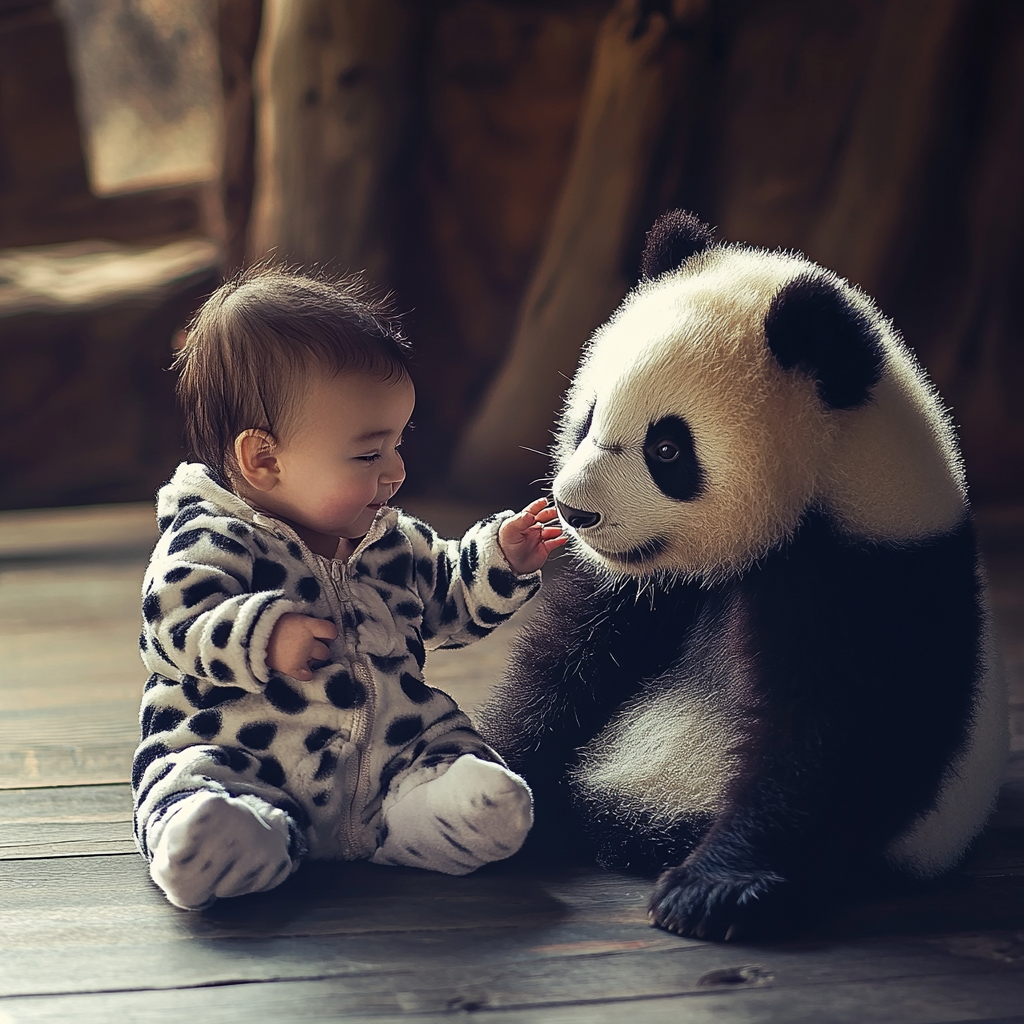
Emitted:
pixel 84 936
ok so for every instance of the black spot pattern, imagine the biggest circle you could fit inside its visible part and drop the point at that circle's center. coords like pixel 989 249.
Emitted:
pixel 308 589
pixel 415 689
pixel 143 645
pixel 148 788
pixel 294 550
pixel 232 547
pixel 321 798
pixel 159 648
pixel 403 729
pixel 163 522
pixel 450 612
pixel 398 571
pixel 221 634
pixel 267 575
pixel 387 665
pixel 490 616
pixel 176 575
pixel 416 649
pixel 424 531
pixel 502 581
pixel 443 579
pixel 184 540
pixel 231 757
pixel 238 529
pixel 206 724
pixel 328 762
pixel 391 539
pixel 425 569
pixel 179 632
pixel 189 499
pixel 186 516
pixel 271 772
pixel 284 698
pixel 156 720
pixel 469 563
pixel 151 608
pixel 408 609
pixel 213 697
pixel 343 691
pixel 318 738
pixel 144 758
pixel 257 735
pixel 153 680
pixel 191 596
pixel 221 672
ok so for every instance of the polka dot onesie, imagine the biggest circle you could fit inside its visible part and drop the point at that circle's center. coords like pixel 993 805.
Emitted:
pixel 243 772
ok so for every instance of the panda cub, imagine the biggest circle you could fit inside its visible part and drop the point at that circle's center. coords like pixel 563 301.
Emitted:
pixel 768 672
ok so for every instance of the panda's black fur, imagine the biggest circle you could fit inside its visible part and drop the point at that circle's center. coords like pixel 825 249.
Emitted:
pixel 767 715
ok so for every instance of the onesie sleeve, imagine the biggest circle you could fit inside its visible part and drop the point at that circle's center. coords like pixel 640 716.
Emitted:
pixel 467 587
pixel 202 615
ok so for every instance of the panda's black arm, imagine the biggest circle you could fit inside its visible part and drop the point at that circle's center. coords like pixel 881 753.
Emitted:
pixel 866 662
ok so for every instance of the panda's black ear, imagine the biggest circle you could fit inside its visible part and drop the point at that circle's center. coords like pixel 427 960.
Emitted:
pixel 814 326
pixel 675 237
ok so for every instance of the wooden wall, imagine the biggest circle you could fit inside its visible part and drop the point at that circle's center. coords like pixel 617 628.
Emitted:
pixel 495 163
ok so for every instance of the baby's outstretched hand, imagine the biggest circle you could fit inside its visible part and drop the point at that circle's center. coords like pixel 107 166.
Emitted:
pixel 527 539
pixel 295 641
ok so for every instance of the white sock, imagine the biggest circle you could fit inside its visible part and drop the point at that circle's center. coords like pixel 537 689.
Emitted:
pixel 475 813
pixel 210 845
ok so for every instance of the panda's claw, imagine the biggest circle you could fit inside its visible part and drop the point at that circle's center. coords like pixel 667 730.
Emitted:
pixel 716 908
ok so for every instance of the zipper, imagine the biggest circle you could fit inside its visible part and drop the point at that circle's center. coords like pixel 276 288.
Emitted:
pixel 361 724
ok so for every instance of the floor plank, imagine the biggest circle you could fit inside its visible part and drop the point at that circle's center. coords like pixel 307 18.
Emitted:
pixel 71 821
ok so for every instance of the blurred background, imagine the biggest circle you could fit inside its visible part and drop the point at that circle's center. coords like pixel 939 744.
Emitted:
pixel 494 164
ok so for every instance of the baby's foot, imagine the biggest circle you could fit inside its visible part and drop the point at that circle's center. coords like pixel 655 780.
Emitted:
pixel 211 845
pixel 477 812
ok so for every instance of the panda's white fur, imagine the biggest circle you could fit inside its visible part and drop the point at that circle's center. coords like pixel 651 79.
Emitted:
pixel 652 736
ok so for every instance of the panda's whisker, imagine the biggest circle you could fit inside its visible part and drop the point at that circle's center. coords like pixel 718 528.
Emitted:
pixel 536 451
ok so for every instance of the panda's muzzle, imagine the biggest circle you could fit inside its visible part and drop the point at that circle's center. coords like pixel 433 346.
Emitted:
pixel 577 518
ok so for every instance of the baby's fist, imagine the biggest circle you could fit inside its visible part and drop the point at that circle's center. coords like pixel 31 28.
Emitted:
pixel 295 641
pixel 527 538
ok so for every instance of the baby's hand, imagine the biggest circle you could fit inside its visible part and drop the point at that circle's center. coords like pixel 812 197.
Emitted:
pixel 296 640
pixel 527 541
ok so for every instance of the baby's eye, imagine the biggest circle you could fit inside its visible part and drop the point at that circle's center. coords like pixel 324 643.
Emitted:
pixel 368 458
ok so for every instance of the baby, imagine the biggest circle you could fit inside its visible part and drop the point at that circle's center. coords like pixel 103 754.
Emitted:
pixel 287 609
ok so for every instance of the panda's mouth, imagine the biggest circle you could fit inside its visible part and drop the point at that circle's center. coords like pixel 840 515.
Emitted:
pixel 646 552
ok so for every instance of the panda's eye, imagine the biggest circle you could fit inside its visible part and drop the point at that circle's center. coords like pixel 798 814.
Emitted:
pixel 671 457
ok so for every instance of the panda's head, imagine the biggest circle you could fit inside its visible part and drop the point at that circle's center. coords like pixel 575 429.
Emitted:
pixel 732 390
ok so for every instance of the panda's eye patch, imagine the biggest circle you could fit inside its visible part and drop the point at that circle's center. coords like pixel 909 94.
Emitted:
pixel 584 428
pixel 671 459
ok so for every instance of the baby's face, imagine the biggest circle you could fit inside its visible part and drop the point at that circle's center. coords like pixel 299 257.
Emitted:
pixel 340 462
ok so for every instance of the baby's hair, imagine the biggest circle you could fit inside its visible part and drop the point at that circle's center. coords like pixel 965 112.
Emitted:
pixel 259 335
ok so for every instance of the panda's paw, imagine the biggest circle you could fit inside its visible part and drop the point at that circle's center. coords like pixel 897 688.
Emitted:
pixel 720 907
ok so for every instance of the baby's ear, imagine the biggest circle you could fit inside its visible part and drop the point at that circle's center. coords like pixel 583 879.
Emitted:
pixel 254 454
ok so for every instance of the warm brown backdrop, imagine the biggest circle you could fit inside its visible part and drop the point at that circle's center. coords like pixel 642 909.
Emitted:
pixel 495 164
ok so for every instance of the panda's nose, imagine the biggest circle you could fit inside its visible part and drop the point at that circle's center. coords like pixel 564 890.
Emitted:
pixel 576 517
